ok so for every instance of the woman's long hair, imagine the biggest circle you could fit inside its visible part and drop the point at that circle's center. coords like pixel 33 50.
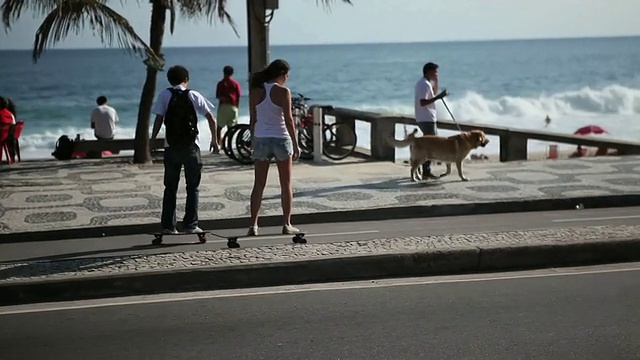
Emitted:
pixel 276 68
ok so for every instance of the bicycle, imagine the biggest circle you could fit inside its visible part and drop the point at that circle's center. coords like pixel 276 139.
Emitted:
pixel 240 136
pixel 332 146
pixel 238 139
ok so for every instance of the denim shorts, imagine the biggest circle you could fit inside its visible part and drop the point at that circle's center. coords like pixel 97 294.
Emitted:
pixel 267 148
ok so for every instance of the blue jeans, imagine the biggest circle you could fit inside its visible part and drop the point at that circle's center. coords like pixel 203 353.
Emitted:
pixel 174 159
pixel 427 128
pixel 266 148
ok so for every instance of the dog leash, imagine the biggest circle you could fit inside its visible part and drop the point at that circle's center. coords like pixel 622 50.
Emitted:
pixel 453 117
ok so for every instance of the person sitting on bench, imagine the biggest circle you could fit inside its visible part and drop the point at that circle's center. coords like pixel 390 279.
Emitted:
pixel 103 120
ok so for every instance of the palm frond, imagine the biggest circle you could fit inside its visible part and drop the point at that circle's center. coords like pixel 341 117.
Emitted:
pixel 171 6
pixel 12 9
pixel 211 9
pixel 326 4
pixel 108 25
pixel 172 12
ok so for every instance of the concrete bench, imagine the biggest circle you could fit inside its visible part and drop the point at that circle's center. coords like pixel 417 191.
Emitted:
pixel 96 147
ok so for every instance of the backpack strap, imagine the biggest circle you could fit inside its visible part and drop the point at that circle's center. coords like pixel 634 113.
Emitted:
pixel 174 90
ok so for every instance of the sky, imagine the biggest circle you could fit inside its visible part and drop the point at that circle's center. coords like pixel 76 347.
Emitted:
pixel 377 21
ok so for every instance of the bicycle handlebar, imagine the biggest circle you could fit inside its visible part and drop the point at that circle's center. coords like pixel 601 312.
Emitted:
pixel 302 97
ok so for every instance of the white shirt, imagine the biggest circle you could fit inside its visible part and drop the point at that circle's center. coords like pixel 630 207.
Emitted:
pixel 270 118
pixel 104 119
pixel 200 104
pixel 424 90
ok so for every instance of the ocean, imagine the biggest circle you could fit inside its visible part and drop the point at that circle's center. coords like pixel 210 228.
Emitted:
pixel 576 82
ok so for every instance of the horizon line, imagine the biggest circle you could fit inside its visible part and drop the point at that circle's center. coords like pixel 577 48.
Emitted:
pixel 359 43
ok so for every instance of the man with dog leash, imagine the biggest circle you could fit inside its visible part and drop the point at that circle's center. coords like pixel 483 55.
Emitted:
pixel 425 107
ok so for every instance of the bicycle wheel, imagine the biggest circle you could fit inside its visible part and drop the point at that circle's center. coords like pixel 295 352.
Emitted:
pixel 225 141
pixel 339 141
pixel 228 143
pixel 243 145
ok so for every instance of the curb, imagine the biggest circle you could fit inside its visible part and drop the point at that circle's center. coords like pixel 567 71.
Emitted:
pixel 437 262
pixel 384 213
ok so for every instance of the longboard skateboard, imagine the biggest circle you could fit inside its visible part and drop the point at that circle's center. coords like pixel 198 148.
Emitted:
pixel 202 236
pixel 232 241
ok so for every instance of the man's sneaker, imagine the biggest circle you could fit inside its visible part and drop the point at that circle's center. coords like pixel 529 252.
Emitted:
pixel 170 232
pixel 195 230
pixel 253 231
pixel 290 230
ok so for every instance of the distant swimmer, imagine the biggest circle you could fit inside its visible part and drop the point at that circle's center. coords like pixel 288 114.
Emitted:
pixel 547 121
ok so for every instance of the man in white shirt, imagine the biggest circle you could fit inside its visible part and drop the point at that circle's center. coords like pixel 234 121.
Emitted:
pixel 103 120
pixel 425 107
pixel 178 108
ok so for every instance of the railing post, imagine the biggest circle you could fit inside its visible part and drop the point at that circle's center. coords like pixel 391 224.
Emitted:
pixel 318 133
pixel 381 129
pixel 513 147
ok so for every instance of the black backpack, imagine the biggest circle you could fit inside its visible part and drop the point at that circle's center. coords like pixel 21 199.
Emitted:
pixel 64 148
pixel 181 120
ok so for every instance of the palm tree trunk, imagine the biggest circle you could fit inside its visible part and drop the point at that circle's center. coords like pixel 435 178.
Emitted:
pixel 141 154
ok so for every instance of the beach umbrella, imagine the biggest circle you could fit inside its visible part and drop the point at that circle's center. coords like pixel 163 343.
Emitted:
pixel 591 129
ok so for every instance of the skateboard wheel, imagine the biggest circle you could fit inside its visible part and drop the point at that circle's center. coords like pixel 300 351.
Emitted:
pixel 299 239
pixel 202 238
pixel 157 240
pixel 232 244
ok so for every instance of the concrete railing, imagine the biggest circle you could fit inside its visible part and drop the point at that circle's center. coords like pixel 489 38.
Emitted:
pixel 513 142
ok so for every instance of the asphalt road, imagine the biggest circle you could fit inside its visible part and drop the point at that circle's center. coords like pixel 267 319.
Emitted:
pixel 329 232
pixel 580 313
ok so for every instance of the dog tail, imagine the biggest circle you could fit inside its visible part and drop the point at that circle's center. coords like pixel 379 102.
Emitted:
pixel 407 141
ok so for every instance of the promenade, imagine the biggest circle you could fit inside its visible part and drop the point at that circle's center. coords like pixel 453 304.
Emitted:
pixel 358 215
pixel 108 194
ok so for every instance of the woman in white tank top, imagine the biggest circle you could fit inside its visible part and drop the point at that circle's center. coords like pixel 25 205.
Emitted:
pixel 273 137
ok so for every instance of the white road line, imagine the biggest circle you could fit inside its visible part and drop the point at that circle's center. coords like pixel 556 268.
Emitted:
pixel 598 218
pixel 257 238
pixel 155 299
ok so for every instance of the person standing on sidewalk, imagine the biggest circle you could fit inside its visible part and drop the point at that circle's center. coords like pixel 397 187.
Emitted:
pixel 228 95
pixel 274 136
pixel 425 107
pixel 178 108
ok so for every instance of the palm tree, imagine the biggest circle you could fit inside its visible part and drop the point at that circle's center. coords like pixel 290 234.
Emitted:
pixel 64 16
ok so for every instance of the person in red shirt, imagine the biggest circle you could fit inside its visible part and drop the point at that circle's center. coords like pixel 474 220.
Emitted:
pixel 6 117
pixel 228 95
pixel 6 120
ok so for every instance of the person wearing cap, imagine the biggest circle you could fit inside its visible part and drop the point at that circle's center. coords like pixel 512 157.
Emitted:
pixel 425 107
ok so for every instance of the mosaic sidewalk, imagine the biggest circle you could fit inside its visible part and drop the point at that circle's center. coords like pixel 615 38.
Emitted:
pixel 50 195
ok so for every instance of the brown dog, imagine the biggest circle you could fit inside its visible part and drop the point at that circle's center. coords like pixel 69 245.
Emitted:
pixel 452 149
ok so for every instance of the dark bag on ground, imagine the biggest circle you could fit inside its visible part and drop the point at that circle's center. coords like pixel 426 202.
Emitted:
pixel 181 120
pixel 64 148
